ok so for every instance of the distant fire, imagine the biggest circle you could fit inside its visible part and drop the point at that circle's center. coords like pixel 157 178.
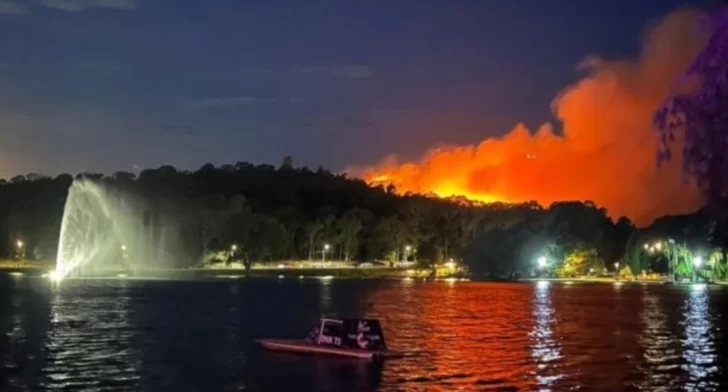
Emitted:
pixel 606 153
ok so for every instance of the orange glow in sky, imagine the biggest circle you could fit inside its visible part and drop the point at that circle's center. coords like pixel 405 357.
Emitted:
pixel 606 154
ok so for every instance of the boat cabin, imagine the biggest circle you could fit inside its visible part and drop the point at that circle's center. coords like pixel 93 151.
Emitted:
pixel 361 334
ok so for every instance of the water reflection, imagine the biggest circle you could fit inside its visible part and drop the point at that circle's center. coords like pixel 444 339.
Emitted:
pixel 89 341
pixel 661 351
pixel 199 336
pixel 698 342
pixel 545 350
pixel 325 296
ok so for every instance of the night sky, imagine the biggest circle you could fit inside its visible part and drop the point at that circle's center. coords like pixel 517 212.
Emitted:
pixel 106 85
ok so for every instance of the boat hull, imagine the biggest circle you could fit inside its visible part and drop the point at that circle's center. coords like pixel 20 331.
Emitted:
pixel 304 346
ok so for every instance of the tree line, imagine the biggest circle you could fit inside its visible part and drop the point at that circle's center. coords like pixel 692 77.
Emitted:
pixel 273 213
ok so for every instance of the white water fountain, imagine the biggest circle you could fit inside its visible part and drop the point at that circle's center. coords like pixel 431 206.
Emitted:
pixel 104 230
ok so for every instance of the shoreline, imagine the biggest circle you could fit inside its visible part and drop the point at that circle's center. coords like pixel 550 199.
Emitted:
pixel 38 270
pixel 587 279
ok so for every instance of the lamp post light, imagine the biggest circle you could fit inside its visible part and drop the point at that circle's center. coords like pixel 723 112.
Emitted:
pixel 697 263
pixel 616 270
pixel 541 263
pixel 407 250
pixel 450 264
pixel 323 253
pixel 124 254
pixel 21 249
pixel 231 254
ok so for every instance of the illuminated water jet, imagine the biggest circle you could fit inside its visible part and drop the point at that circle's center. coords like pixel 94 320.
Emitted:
pixel 105 230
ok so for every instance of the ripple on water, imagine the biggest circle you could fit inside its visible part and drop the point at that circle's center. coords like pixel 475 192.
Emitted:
pixel 141 335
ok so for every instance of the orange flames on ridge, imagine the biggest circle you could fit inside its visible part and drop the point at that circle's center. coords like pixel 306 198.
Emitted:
pixel 607 152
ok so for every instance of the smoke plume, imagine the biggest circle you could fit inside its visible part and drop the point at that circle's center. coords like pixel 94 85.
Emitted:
pixel 606 154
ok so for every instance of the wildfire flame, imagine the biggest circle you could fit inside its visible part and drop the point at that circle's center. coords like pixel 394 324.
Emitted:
pixel 606 152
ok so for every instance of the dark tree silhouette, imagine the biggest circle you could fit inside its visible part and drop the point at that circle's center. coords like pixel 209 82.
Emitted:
pixel 699 117
pixel 260 213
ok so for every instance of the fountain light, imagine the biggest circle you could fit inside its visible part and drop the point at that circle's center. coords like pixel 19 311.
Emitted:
pixel 55 276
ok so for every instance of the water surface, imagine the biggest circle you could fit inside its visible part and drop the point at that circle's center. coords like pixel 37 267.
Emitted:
pixel 160 335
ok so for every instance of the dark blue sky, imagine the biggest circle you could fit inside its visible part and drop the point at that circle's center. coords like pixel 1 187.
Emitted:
pixel 104 85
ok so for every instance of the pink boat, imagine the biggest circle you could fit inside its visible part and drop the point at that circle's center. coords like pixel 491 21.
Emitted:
pixel 356 338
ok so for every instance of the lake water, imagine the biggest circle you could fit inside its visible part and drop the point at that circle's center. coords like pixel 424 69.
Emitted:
pixel 157 335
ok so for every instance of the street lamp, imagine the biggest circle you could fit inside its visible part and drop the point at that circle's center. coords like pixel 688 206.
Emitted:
pixel 697 262
pixel 123 248
pixel 323 254
pixel 231 254
pixel 616 269
pixel 541 263
pixel 407 250
pixel 450 264
pixel 21 250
